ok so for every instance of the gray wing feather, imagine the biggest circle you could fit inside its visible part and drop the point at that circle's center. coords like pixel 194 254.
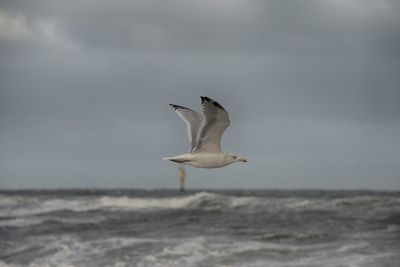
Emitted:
pixel 216 120
pixel 193 121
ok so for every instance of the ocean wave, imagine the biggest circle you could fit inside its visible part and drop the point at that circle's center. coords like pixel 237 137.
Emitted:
pixel 48 206
pixel 19 222
pixel 200 250
pixel 358 200
pixel 152 203
pixel 68 250
pixel 16 202
pixel 33 221
pixel 343 203
pixel 288 236
pixel 202 200
pixel 8 201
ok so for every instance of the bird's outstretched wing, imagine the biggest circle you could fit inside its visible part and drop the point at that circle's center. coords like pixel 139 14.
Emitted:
pixel 193 121
pixel 212 127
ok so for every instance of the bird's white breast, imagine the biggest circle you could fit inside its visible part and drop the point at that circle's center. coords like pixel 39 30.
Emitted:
pixel 209 160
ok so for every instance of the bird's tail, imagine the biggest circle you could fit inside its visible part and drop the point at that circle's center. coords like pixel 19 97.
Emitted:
pixel 177 159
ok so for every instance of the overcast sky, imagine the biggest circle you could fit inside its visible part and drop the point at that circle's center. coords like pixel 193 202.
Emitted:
pixel 312 89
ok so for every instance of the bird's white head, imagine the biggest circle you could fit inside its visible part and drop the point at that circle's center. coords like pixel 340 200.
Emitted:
pixel 235 158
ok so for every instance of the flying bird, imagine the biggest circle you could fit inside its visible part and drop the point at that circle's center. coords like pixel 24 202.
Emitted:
pixel 205 131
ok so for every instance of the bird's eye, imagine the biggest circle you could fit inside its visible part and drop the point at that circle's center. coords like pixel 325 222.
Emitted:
pixel 234 157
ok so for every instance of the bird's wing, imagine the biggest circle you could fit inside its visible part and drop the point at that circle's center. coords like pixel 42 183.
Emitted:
pixel 193 121
pixel 216 120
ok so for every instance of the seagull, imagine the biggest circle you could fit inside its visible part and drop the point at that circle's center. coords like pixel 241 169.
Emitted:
pixel 205 131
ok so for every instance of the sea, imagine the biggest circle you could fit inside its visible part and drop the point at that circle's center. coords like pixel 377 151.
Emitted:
pixel 199 228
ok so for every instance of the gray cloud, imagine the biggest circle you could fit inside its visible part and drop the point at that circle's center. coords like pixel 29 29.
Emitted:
pixel 312 89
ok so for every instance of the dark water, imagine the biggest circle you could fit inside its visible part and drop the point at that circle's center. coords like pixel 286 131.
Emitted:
pixel 199 228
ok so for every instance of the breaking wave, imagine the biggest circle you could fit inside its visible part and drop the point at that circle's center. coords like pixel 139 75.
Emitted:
pixel 201 200
pixel 13 207
pixel 196 251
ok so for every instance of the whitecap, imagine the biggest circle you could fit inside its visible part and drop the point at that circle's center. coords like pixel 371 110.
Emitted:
pixel 201 200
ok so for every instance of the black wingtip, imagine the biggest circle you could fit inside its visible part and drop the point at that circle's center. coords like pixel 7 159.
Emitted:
pixel 177 106
pixel 209 100
pixel 205 99
pixel 218 105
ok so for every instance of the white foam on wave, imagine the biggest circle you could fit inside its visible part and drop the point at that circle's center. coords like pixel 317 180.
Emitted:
pixel 336 203
pixel 25 221
pixel 19 222
pixel 244 201
pixel 8 201
pixel 352 246
pixel 195 251
pixel 357 200
pixel 62 257
pixel 200 200
pixel 204 200
pixel 218 251
pixel 71 251
pixel 27 211
pixel 153 203
pixel 202 250
pixel 12 201
pixel 188 253
pixel 51 205
pixel 209 201
pixel 214 251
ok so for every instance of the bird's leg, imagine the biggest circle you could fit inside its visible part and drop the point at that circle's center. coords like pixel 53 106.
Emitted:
pixel 181 178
